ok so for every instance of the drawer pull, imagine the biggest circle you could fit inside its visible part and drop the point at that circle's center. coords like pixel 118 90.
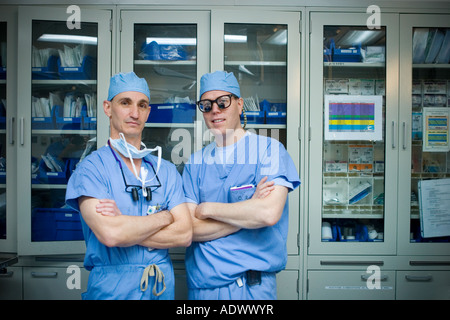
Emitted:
pixel 366 277
pixel 44 274
pixel 418 278
pixel 7 274
pixel 429 263
pixel 350 263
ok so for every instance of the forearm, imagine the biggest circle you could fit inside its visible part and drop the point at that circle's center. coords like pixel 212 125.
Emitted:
pixel 248 214
pixel 208 229
pixel 177 234
pixel 122 230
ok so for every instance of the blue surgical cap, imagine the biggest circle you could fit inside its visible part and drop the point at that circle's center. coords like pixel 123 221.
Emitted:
pixel 123 82
pixel 220 80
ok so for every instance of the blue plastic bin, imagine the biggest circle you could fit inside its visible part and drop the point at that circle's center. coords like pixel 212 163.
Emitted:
pixel 172 113
pixel 67 123
pixel 254 117
pixel 55 224
pixel 42 123
pixel 352 54
pixel 45 176
pixel 49 72
pixel 87 70
pixel 274 117
pixel 89 123
pixel 2 73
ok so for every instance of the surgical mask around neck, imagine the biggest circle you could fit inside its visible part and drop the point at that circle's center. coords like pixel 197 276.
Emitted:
pixel 130 151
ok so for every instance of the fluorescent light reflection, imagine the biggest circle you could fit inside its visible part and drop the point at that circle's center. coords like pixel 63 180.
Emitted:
pixel 172 41
pixel 68 38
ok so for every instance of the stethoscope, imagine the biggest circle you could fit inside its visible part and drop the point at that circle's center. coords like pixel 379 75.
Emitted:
pixel 133 189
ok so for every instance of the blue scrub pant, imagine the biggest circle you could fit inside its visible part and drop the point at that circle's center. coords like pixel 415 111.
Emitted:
pixel 239 290
pixel 123 282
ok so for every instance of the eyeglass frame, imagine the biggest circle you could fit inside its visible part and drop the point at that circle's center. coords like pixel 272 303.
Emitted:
pixel 221 107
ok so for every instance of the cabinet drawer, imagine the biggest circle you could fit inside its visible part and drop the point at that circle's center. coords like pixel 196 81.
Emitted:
pixel 423 285
pixel 11 284
pixel 349 285
pixel 53 283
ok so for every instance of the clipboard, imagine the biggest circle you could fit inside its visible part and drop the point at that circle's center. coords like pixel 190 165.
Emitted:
pixel 434 206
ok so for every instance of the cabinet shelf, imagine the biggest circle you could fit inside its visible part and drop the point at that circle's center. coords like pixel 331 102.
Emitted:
pixel 166 62
pixel 431 66
pixel 256 63
pixel 64 82
pixel 354 64
pixel 352 216
pixel 59 132
pixel 47 186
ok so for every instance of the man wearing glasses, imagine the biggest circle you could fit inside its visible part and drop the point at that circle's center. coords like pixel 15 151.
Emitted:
pixel 236 189
pixel 131 203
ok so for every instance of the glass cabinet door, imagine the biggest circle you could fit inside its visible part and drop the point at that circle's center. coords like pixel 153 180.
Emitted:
pixel 425 152
pixel 58 121
pixel 8 217
pixel 170 52
pixel 352 206
pixel 262 50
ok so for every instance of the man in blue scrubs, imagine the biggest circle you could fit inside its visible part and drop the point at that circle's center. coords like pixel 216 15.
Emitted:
pixel 236 189
pixel 131 203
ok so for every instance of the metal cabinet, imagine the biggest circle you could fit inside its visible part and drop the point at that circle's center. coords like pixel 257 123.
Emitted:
pixel 349 285
pixel 53 283
pixel 171 51
pixel 262 49
pixel 424 158
pixel 11 284
pixel 423 285
pixel 63 77
pixel 353 138
pixel 8 139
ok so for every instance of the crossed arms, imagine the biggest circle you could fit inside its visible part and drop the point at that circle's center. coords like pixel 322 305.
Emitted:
pixel 161 230
pixel 213 220
pixel 184 223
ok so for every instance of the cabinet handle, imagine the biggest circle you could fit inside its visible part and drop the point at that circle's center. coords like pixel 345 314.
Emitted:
pixel 418 278
pixel 21 128
pixel 393 135
pixel 7 274
pixel 350 263
pixel 11 130
pixel 365 277
pixel 404 135
pixel 429 263
pixel 44 274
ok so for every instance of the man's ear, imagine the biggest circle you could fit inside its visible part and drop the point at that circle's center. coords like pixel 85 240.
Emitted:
pixel 240 105
pixel 107 108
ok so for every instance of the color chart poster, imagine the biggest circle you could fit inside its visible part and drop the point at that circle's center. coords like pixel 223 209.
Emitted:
pixel 353 117
pixel 436 129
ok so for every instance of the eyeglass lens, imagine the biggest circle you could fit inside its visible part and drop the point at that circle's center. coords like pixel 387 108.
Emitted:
pixel 222 102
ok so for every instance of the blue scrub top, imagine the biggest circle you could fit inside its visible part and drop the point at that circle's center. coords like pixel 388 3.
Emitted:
pixel 208 177
pixel 99 176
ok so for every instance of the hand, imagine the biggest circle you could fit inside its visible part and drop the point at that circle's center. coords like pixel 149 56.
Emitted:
pixel 263 189
pixel 108 207
pixel 199 212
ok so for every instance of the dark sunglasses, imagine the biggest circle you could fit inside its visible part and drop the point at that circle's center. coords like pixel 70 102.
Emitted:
pixel 222 102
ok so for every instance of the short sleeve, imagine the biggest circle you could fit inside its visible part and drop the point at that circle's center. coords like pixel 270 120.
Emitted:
pixel 87 180
pixel 175 194
pixel 277 165
pixel 190 185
